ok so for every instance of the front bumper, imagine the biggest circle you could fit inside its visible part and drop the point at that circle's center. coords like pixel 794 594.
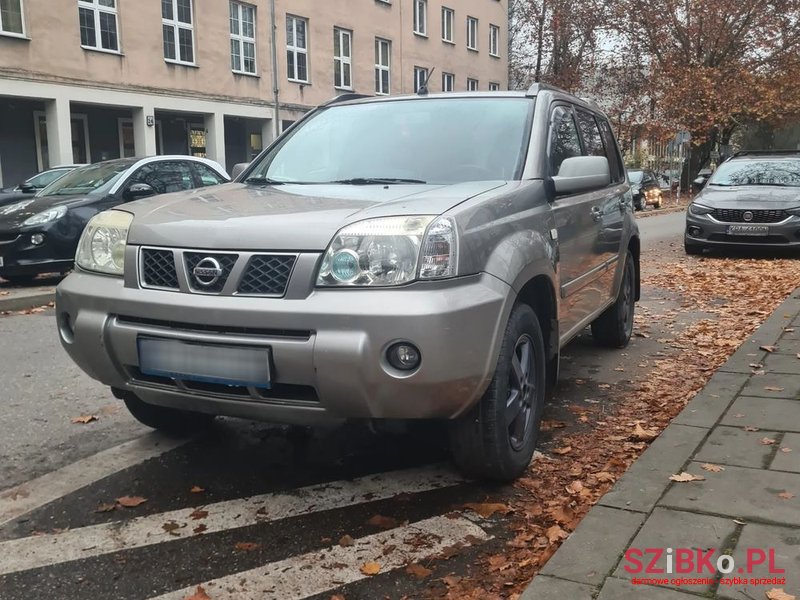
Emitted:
pixel 327 348
pixel 785 234
pixel 20 256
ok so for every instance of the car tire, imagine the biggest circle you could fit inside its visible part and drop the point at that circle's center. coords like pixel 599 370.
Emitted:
pixel 168 420
pixel 19 279
pixel 692 249
pixel 614 327
pixel 495 440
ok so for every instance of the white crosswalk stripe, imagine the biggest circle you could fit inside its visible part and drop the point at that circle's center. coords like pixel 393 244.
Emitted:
pixel 325 570
pixel 95 540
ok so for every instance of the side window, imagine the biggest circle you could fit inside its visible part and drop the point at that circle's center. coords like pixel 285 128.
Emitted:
pixel 207 175
pixel 590 132
pixel 564 140
pixel 165 177
pixel 614 161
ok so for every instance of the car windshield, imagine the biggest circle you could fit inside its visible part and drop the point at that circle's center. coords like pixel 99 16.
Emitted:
pixel 87 180
pixel 406 141
pixel 778 172
pixel 43 179
pixel 635 176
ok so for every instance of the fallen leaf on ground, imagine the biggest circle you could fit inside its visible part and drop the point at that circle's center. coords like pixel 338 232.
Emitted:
pixel 765 441
pixel 346 541
pixel 604 476
pixel 246 546
pixel 773 388
pixel 171 527
pixel 738 415
pixel 778 594
pixel 786 495
pixel 83 419
pixel 196 489
pixel 555 533
pixel 418 571
pixel 199 529
pixel 768 348
pixel 487 509
pixel 712 468
pixel 576 487
pixel 562 451
pixel 199 594
pixel 198 514
pixel 786 450
pixel 105 507
pixel 382 522
pixel 370 568
pixel 131 501
pixel 684 477
pixel 750 428
pixel 548 425
pixel 337 597
pixel 642 434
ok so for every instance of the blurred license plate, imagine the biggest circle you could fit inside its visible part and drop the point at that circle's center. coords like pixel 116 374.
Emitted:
pixel 209 363
pixel 748 230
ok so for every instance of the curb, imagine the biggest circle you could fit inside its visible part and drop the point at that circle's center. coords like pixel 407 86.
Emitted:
pixel 26 301
pixel 660 211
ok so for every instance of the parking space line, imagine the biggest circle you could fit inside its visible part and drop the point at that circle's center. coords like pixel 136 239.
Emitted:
pixel 25 497
pixel 44 550
pixel 325 570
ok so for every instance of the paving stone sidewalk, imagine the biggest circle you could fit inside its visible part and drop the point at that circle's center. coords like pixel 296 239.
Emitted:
pixel 747 423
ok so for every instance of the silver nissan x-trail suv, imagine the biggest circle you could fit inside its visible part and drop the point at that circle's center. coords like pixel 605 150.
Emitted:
pixel 420 257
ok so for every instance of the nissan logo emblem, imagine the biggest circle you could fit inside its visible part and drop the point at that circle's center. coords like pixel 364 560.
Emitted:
pixel 207 272
pixel 747 216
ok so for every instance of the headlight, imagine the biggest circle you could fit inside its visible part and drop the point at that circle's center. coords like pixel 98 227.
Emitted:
pixel 102 244
pixel 51 214
pixel 652 193
pixel 699 209
pixel 391 251
pixel 794 211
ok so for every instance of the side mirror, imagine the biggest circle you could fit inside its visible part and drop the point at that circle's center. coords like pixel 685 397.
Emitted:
pixel 238 168
pixel 699 182
pixel 139 190
pixel 582 174
pixel 27 188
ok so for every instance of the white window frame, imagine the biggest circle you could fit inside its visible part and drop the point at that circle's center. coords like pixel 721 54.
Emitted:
pixel 380 67
pixel 494 41
pixel 494 86
pixel 470 82
pixel 297 50
pixel 241 39
pixel 342 59
pixel 448 25
pixel 176 25
pixel 472 35
pixel 14 33
pixel 421 17
pixel 40 114
pixel 451 78
pixel 420 77
pixel 96 9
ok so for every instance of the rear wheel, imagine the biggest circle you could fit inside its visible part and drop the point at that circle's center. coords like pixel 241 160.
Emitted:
pixel 169 420
pixel 496 438
pixel 614 327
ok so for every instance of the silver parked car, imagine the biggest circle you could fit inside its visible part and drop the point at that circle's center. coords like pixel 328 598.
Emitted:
pixel 752 199
pixel 420 257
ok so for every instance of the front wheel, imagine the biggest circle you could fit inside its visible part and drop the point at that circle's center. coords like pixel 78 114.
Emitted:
pixel 496 438
pixel 168 420
pixel 614 327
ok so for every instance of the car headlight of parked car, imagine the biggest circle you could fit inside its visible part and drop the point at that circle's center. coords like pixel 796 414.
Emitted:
pixel 391 251
pixel 794 211
pixel 699 209
pixel 102 244
pixel 51 214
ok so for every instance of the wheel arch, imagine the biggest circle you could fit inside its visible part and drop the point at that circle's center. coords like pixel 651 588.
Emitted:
pixel 539 293
pixel 635 247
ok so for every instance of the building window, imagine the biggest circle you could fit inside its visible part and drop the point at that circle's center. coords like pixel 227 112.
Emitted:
pixel 243 38
pixel 342 58
pixel 297 48
pixel 448 16
pixel 176 23
pixel 494 40
pixel 11 17
pixel 448 82
pixel 494 87
pixel 383 66
pixel 420 77
pixel 421 17
pixel 98 21
pixel 472 85
pixel 472 33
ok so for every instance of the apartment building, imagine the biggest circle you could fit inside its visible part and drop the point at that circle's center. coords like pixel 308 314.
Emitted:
pixel 89 80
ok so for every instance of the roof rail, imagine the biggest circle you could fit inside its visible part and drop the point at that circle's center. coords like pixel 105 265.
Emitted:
pixel 765 152
pixel 345 98
pixel 538 87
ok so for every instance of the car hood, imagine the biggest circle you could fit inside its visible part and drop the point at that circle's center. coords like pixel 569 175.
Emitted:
pixel 12 218
pixel 10 196
pixel 286 217
pixel 750 197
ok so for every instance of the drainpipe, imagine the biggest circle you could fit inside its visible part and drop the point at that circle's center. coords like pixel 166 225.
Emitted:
pixel 275 91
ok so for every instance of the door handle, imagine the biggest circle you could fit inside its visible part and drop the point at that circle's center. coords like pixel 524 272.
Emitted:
pixel 597 213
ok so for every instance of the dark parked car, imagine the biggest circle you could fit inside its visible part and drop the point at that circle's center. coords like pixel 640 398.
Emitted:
pixel 645 188
pixel 753 199
pixel 30 186
pixel 40 234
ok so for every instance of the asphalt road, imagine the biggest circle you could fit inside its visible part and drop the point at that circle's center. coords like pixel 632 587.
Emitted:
pixel 274 502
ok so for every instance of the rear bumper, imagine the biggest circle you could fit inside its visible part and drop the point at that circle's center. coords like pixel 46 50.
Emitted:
pixel 715 233
pixel 328 349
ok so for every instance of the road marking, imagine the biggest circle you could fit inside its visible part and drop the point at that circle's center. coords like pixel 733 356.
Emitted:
pixel 325 570
pixel 29 496
pixel 43 550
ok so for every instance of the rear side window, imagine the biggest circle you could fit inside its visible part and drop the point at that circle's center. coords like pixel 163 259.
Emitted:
pixel 166 177
pixel 207 175
pixel 614 161
pixel 590 132
pixel 564 140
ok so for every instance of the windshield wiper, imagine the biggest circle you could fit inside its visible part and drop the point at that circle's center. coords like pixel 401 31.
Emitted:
pixel 376 181
pixel 267 181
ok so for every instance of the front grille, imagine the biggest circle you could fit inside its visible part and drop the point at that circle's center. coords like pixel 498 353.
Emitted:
pixel 266 275
pixel 297 334
pixel 730 215
pixel 158 268
pixel 212 285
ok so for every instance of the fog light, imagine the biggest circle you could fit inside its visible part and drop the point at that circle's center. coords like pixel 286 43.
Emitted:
pixel 403 356
pixel 695 231
pixel 37 239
